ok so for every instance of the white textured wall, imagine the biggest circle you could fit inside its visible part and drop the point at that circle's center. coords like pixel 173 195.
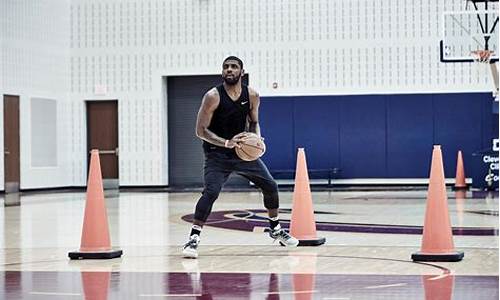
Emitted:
pixel 125 46
pixel 35 64
pixel 307 47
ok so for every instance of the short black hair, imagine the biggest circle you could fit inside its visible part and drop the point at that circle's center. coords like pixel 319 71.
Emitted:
pixel 240 62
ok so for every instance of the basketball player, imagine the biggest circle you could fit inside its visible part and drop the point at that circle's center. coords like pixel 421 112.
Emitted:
pixel 226 112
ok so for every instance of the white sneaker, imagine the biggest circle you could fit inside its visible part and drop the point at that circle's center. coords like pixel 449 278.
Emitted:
pixel 190 249
pixel 284 238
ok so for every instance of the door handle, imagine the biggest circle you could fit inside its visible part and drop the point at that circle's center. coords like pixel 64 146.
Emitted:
pixel 115 152
pixel 107 152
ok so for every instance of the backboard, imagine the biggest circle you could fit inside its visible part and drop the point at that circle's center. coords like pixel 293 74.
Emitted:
pixel 467 31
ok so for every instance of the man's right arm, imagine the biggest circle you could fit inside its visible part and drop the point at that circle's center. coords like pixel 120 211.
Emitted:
pixel 208 106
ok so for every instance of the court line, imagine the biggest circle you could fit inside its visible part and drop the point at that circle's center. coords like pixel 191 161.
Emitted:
pixel 55 294
pixel 443 269
pixel 170 295
pixel 385 286
pixel 289 292
pixel 440 276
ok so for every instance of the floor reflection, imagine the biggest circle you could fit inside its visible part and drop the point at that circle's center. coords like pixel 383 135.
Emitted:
pixel 143 285
pixel 12 199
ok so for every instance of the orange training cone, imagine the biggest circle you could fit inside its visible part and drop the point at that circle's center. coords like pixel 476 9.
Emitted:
pixel 460 175
pixel 460 202
pixel 438 287
pixel 95 285
pixel 303 225
pixel 304 274
pixel 437 240
pixel 95 243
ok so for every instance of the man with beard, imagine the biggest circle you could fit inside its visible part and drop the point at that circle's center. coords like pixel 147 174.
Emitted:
pixel 226 112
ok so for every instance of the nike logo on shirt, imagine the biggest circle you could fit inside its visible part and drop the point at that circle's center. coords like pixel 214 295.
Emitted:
pixel 243 103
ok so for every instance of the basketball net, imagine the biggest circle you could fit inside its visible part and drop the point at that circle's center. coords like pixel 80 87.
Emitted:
pixel 484 56
pixel 481 56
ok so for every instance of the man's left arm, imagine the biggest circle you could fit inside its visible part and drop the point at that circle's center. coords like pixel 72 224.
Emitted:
pixel 253 116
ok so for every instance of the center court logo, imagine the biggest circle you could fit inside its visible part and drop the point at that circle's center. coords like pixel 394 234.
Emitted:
pixel 254 220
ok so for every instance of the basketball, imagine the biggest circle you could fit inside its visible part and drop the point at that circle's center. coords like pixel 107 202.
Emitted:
pixel 252 147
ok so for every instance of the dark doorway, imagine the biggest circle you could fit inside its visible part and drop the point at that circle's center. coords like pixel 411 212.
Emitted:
pixel 185 159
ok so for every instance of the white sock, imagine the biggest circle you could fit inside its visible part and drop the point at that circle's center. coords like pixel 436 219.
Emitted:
pixel 195 230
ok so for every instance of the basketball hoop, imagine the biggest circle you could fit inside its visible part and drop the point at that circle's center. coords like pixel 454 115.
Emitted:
pixel 481 56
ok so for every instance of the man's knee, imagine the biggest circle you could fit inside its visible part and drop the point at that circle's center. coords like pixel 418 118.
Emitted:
pixel 211 193
pixel 270 187
pixel 271 198
pixel 205 203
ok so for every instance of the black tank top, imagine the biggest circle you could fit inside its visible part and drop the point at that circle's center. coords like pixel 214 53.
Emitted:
pixel 229 118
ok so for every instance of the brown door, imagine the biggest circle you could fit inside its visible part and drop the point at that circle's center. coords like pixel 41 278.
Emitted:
pixel 102 134
pixel 11 143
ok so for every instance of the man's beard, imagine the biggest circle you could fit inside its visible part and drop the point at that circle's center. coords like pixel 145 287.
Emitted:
pixel 232 80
